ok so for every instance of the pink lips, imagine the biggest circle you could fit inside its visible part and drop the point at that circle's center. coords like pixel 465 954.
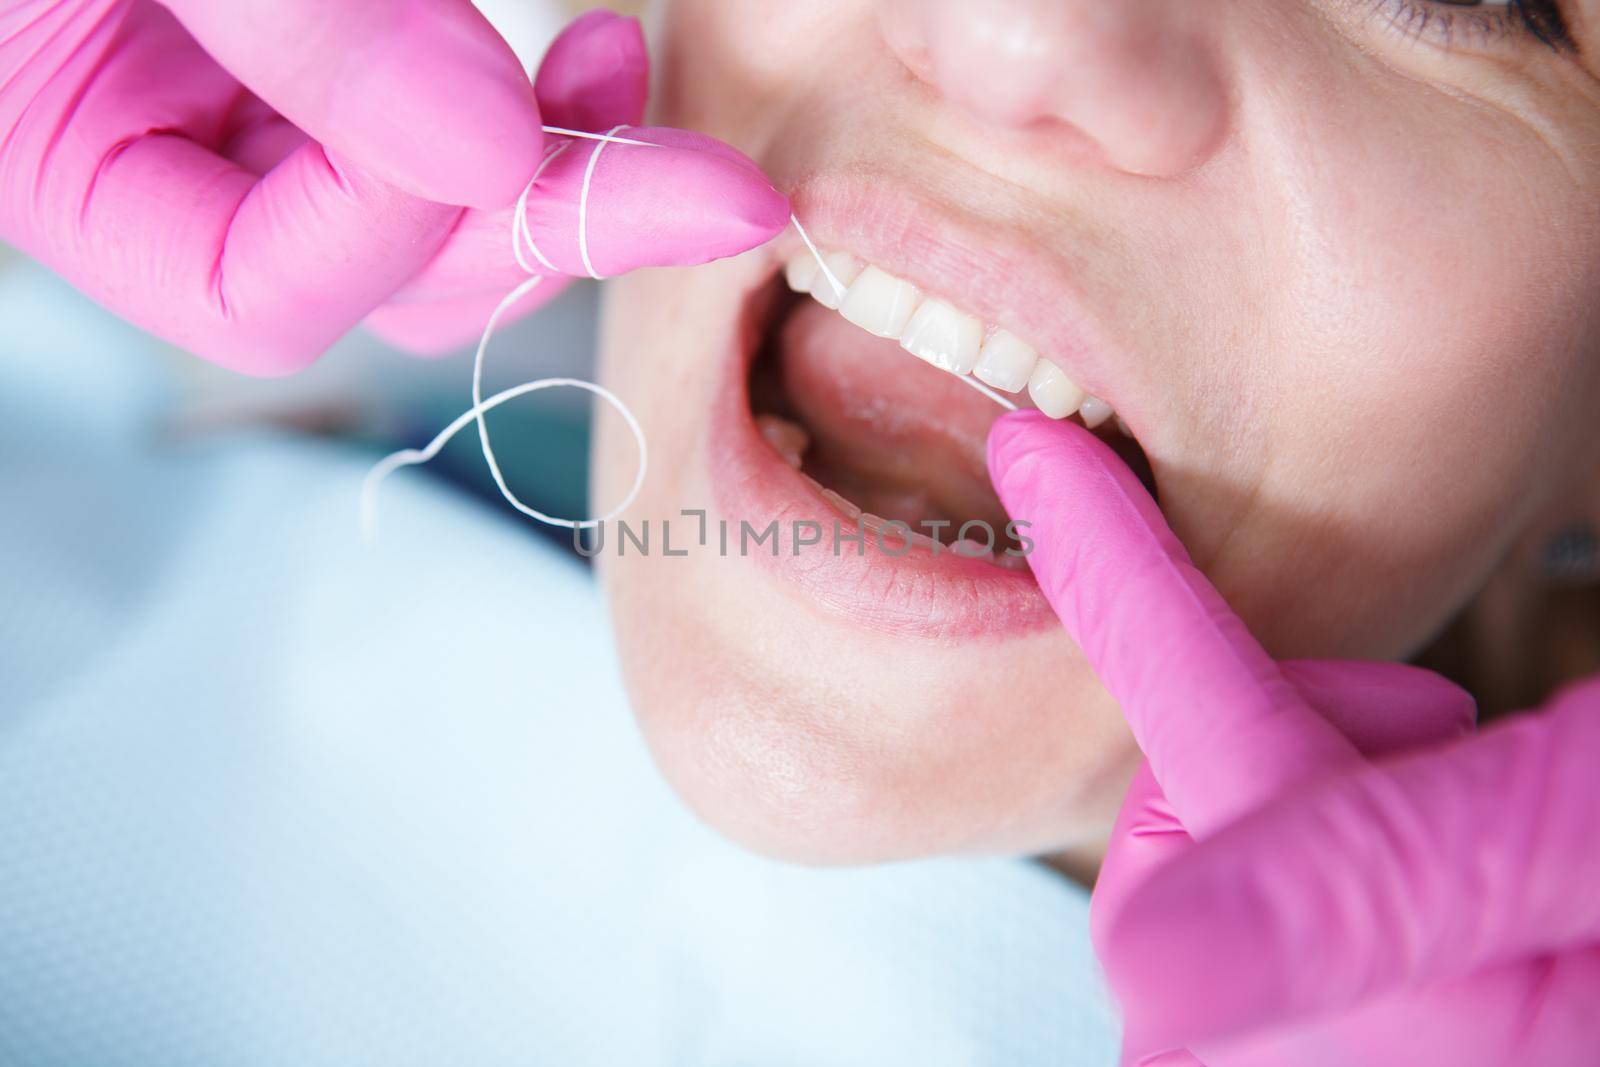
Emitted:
pixel 886 586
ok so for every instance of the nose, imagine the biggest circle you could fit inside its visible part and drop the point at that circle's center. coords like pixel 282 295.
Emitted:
pixel 1141 78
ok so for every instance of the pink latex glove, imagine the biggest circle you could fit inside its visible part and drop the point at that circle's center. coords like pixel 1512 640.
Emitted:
pixel 1319 865
pixel 252 178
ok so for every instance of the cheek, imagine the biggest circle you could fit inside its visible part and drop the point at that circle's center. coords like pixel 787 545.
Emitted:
pixel 1423 353
pixel 729 68
pixel 1443 315
pixel 1421 250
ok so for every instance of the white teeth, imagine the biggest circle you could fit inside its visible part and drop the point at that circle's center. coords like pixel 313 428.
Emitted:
pixel 893 533
pixel 845 507
pixel 936 332
pixel 1053 392
pixel 802 273
pixel 844 267
pixel 1006 362
pixel 1094 412
pixel 943 336
pixel 879 303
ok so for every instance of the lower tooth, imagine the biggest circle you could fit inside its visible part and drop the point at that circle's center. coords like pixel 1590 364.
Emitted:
pixel 843 506
pixel 891 530
pixel 787 439
pixel 972 549
pixel 875 523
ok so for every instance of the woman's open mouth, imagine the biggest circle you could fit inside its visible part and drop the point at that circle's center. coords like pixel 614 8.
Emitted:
pixel 855 468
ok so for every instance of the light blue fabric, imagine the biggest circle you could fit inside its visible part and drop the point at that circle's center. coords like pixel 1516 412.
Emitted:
pixel 272 798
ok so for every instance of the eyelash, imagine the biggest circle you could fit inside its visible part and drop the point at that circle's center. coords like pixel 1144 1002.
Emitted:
pixel 1450 23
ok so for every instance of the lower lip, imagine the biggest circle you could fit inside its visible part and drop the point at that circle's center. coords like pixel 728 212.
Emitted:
pixel 904 590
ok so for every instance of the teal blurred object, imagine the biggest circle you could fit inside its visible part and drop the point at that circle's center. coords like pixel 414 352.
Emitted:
pixel 542 440
pixel 543 450
pixel 370 396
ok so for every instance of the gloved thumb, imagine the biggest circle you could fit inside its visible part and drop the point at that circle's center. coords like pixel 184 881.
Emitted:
pixel 681 200
pixel 423 94
pixel 602 209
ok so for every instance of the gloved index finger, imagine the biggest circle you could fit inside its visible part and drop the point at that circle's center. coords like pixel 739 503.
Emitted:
pixel 426 96
pixel 1222 729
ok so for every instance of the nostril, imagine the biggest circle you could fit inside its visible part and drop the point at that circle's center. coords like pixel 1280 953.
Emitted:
pixel 1157 128
pixel 1000 84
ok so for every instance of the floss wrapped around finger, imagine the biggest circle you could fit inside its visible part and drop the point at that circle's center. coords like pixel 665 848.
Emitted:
pixel 572 218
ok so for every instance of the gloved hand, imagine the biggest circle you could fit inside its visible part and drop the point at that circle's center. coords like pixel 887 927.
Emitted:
pixel 251 179
pixel 1319 865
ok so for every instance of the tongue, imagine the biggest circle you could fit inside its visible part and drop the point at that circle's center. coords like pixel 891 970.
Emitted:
pixel 895 436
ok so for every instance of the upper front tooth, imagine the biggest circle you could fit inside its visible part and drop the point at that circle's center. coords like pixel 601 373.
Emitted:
pixel 843 268
pixel 1006 362
pixel 943 336
pixel 879 303
pixel 801 273
pixel 1053 392
pixel 932 330
pixel 1095 412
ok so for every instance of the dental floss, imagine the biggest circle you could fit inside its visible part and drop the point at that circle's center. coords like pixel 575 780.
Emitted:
pixel 827 272
pixel 522 234
pixel 986 391
pixel 413 456
pixel 610 136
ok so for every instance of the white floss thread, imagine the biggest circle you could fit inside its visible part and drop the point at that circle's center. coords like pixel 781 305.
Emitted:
pixel 522 235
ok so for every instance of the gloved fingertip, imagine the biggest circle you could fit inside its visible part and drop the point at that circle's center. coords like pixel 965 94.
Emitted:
pixel 1384 707
pixel 441 107
pixel 492 174
pixel 486 163
pixel 1009 429
pixel 691 201
pixel 490 159
pixel 1018 442
pixel 672 137
pixel 707 212
pixel 596 74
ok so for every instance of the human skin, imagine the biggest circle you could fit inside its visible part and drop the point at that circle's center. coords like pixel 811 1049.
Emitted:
pixel 1334 264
